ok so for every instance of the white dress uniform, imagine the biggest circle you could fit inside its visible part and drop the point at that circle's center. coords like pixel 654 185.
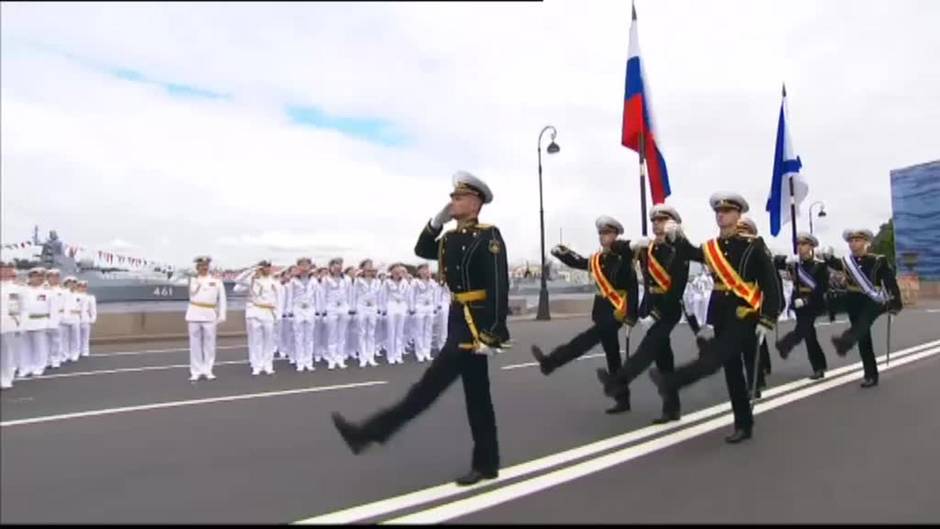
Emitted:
pixel 381 324
pixel 336 300
pixel 367 298
pixel 71 322
pixel 408 333
pixel 286 345
pixel 425 294
pixel 443 306
pixel 36 309
pixel 56 330
pixel 11 318
pixel 207 308
pixel 321 346
pixel 278 319
pixel 302 294
pixel 89 317
pixel 351 338
pixel 260 316
pixel 398 299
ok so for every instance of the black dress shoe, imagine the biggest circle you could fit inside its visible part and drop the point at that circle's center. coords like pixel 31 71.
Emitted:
pixel 666 417
pixel 541 359
pixel 842 345
pixel 783 347
pixel 817 375
pixel 869 382
pixel 354 438
pixel 607 382
pixel 475 476
pixel 738 436
pixel 620 407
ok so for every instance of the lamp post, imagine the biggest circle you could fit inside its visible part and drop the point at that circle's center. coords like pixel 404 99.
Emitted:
pixel 822 213
pixel 543 313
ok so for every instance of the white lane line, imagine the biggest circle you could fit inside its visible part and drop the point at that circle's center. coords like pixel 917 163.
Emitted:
pixel 155 351
pixel 931 311
pixel 518 490
pixel 179 403
pixel 532 364
pixel 411 499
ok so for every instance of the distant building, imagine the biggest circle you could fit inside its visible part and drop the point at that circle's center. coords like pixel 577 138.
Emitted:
pixel 915 201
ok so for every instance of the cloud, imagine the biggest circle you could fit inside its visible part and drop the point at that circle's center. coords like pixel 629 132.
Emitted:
pixel 120 244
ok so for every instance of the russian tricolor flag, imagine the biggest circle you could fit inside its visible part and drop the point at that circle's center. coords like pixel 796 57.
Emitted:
pixel 638 118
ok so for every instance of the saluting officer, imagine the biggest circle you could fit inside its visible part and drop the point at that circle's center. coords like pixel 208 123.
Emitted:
pixel 206 310
pixel 615 303
pixel 472 258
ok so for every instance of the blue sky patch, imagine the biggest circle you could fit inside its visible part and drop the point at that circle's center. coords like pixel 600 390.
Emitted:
pixel 374 130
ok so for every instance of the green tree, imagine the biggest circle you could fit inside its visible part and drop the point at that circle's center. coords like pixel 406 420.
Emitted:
pixel 884 241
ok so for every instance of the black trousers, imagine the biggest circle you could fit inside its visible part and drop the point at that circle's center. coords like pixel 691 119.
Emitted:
pixel 862 314
pixel 657 347
pixel 605 331
pixel 749 364
pixel 734 338
pixel 443 371
pixel 805 330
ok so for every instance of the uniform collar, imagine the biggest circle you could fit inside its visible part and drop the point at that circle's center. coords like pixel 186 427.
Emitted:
pixel 468 223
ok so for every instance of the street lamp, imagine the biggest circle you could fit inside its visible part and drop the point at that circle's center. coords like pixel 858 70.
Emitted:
pixel 543 313
pixel 822 213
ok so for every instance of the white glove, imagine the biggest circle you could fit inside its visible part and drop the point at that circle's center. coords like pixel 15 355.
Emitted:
pixel 799 303
pixel 761 332
pixel 485 350
pixel 706 332
pixel 642 242
pixel 672 229
pixel 826 252
pixel 647 322
pixel 559 250
pixel 792 259
pixel 442 217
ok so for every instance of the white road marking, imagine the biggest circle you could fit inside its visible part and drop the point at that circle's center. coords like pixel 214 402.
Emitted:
pixel 518 490
pixel 431 494
pixel 931 311
pixel 156 351
pixel 129 370
pixel 179 403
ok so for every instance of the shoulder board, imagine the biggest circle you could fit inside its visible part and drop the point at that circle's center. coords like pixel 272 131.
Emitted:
pixel 484 226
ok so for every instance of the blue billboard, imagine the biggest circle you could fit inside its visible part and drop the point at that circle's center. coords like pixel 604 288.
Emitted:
pixel 915 199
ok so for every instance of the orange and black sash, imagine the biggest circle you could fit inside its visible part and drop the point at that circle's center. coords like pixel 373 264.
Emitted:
pixel 749 292
pixel 659 273
pixel 617 298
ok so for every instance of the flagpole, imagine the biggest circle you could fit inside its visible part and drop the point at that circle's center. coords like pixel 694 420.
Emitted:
pixel 792 194
pixel 642 151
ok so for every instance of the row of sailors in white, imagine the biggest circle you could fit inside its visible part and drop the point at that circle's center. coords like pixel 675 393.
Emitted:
pixel 327 316
pixel 43 323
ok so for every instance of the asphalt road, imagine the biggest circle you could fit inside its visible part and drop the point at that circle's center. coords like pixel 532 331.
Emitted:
pixel 124 437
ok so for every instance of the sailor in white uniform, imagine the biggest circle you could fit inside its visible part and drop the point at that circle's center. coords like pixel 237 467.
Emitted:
pixel 207 308
pixel 72 320
pixel 397 296
pixel 351 338
pixel 381 324
pixel 89 317
pixel 37 305
pixel 321 331
pixel 264 304
pixel 426 298
pixel 336 301
pixel 286 344
pixel 56 329
pixel 367 292
pixel 278 318
pixel 11 318
pixel 440 319
pixel 302 294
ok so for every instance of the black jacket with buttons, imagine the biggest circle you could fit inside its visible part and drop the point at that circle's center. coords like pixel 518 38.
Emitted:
pixel 473 257
pixel 658 304
pixel 878 270
pixel 618 267
pixel 813 298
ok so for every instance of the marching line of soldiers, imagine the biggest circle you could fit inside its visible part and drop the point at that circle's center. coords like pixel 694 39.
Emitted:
pixel 44 322
pixel 310 315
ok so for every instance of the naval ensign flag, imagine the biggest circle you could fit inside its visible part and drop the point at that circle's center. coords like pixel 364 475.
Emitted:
pixel 787 183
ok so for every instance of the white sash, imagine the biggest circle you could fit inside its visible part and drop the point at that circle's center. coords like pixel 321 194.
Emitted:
pixel 876 295
pixel 805 277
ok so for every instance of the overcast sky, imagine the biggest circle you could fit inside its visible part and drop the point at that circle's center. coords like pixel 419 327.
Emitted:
pixel 245 131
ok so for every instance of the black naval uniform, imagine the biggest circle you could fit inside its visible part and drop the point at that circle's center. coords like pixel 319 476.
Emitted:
pixel 734 324
pixel 472 259
pixel 617 266
pixel 665 307
pixel 863 311
pixel 814 304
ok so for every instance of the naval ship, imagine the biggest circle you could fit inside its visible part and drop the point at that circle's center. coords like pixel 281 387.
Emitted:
pixel 110 284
